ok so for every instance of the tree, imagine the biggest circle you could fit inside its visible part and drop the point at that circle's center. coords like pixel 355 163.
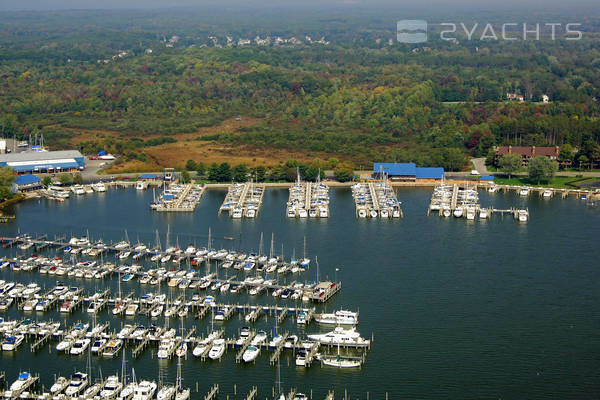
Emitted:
pixel 191 165
pixel 312 173
pixel 47 181
pixel 259 173
pixel 77 179
pixel 213 172
pixel 342 174
pixel 583 161
pixel 491 155
pixel 224 172
pixel 510 163
pixel 7 178
pixel 240 173
pixel 566 154
pixel 541 167
pixel 185 177
pixel 65 179
pixel 200 168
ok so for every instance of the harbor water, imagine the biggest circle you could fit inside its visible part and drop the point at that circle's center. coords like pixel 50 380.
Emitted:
pixel 457 309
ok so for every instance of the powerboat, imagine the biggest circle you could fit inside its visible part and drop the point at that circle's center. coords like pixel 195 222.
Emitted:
pixel 11 343
pixel 217 350
pixel 59 385
pixel 79 382
pixel 340 336
pixel 79 347
pixel 250 354
pixel 145 390
pixel 112 348
pixel 341 317
pixel 111 388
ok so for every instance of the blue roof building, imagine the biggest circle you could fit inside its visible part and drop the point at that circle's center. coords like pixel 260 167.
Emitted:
pixel 28 162
pixel 24 183
pixel 407 171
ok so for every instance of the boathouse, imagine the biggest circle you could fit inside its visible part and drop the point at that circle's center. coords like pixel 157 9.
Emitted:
pixel 26 183
pixel 407 172
pixel 28 162
pixel 150 178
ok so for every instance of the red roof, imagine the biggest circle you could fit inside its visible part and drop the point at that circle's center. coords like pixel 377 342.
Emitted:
pixel 530 151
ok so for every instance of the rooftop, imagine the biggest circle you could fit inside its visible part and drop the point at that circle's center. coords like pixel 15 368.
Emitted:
pixel 39 155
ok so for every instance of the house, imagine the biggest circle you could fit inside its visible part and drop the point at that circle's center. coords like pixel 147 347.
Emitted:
pixel 527 152
pixel 407 172
pixel 150 178
pixel 515 96
pixel 26 183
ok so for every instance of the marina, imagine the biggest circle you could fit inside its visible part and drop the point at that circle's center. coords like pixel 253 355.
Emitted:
pixel 405 300
pixel 178 198
pixel 308 199
pixel 243 200
pixel 376 199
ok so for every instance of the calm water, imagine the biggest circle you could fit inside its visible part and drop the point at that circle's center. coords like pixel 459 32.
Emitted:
pixel 458 309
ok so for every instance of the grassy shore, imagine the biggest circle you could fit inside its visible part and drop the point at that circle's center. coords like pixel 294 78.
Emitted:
pixel 558 182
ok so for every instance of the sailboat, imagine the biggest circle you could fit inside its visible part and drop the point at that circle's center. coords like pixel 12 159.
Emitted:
pixel 278 392
pixel 181 393
pixel 340 361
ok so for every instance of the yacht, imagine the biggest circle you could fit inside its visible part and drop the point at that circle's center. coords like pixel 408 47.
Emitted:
pixel 458 212
pixel 99 187
pixel 302 213
pixel 203 344
pixel 483 213
pixel 165 393
pixel 250 354
pixel 341 336
pixel 98 346
pixel 339 361
pixel 23 382
pixel 523 215
pixel 59 385
pixel 78 189
pixel 217 350
pixel 79 346
pixel 79 382
pixel 11 343
pixel 547 193
pixel 470 213
pixel 131 309
pixel 341 317
pixel 112 348
pixel 237 212
pixel 144 391
pixel 111 388
pixel 165 349
pixel 141 185
pixel 524 191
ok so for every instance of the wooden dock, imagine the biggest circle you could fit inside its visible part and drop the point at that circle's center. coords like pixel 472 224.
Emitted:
pixel 212 393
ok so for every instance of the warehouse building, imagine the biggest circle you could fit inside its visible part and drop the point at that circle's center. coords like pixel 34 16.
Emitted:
pixel 408 172
pixel 29 162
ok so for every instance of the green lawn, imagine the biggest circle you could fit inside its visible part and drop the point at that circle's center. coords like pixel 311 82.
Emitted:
pixel 559 182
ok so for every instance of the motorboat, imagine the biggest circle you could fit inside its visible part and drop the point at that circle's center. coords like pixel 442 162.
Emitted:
pixel 524 191
pixel 79 382
pixel 341 317
pixel 145 390
pixel 250 354
pixel 24 380
pixel 340 336
pixel 217 350
pixel 131 309
pixel 99 187
pixel 111 388
pixel 59 385
pixel 165 393
pixel 547 193
pixel 98 346
pixel 79 346
pixel 166 348
pixel 11 343
pixel 112 348
pixel 483 213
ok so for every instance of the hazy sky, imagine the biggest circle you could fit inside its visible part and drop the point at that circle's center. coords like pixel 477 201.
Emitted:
pixel 572 5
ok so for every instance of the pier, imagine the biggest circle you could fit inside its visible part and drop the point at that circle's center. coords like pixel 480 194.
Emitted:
pixel 243 200
pixel 179 198
pixel 212 393
pixel 376 199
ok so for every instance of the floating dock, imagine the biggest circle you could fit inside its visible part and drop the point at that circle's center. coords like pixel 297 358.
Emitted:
pixel 179 198
pixel 243 200
pixel 376 199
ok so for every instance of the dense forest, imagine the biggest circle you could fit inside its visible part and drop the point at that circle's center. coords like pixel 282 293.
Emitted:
pixel 343 86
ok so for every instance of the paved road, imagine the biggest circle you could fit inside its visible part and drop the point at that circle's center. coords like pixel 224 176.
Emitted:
pixel 479 164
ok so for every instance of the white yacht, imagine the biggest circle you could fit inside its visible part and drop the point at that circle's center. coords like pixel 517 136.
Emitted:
pixel 166 348
pixel 11 343
pixel 524 191
pixel 165 393
pixel 79 347
pixel 99 187
pixel 98 346
pixel 250 354
pixel 112 348
pixel 79 382
pixel 339 361
pixel 78 189
pixel 547 193
pixel 341 317
pixel 483 213
pixel 237 213
pixel 341 336
pixel 458 212
pixel 23 382
pixel 59 385
pixel 217 350
pixel 111 388
pixel 145 390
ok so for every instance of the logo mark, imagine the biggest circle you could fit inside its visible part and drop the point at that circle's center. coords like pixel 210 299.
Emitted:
pixel 412 28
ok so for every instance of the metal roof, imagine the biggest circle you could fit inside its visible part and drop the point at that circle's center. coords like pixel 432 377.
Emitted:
pixel 148 176
pixel 39 155
pixel 26 179
pixel 395 169
pixel 429 173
